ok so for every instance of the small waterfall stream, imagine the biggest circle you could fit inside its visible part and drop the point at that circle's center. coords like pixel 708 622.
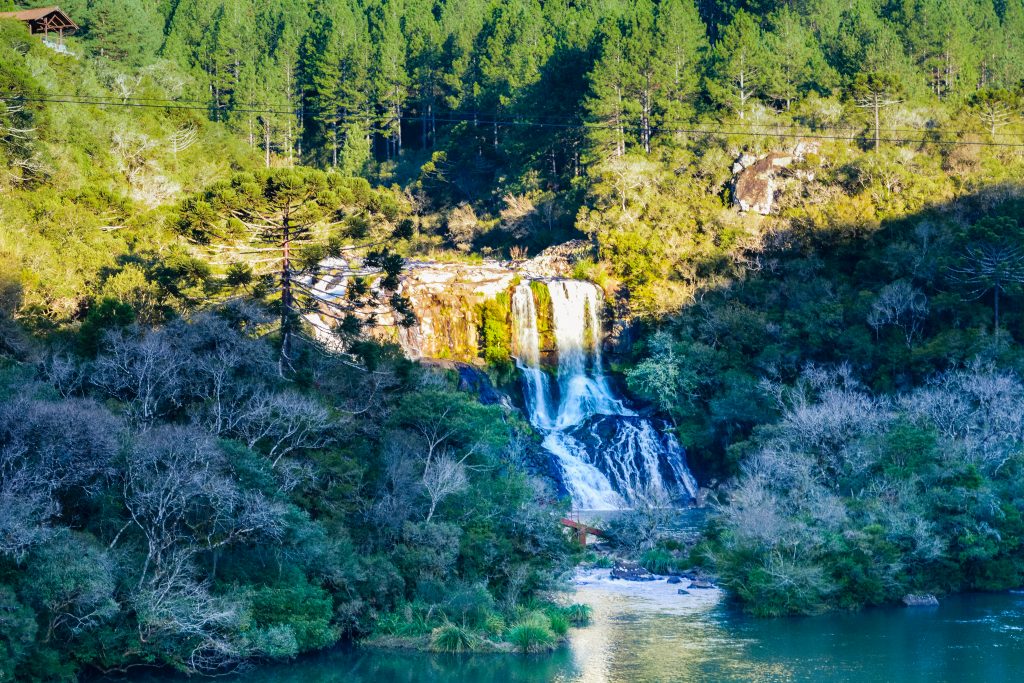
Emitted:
pixel 608 455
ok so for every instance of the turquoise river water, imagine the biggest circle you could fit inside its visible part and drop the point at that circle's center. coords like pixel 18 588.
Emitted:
pixel 648 633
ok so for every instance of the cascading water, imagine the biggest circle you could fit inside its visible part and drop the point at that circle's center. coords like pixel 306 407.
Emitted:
pixel 609 457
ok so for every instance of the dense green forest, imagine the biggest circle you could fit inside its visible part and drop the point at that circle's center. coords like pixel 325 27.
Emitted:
pixel 846 368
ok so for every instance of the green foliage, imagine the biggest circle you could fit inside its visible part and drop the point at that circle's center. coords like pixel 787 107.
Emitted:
pixel 495 331
pixel 658 561
pixel 531 636
pixel 452 638
pixel 578 615
pixel 107 316
pixel 299 608
pixel 17 635
pixel 853 500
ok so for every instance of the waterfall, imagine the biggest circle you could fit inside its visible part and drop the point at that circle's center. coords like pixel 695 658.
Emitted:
pixel 527 341
pixel 609 457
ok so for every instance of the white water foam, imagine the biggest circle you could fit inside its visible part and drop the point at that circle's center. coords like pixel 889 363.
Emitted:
pixel 609 468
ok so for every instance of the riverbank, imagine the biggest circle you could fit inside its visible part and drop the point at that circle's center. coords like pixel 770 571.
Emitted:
pixel 644 633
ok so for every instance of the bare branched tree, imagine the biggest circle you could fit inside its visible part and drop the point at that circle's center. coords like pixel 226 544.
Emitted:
pixel 282 423
pixel 148 373
pixel 442 477
pixel 47 448
pixel 132 152
pixel 902 305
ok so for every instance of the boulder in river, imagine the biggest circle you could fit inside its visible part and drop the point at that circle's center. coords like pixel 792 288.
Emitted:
pixel 683 591
pixel 674 579
pixel 920 600
pixel 701 583
pixel 630 571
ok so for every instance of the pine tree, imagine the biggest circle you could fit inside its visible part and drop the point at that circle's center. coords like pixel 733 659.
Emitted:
pixel 681 45
pixel 608 105
pixel 389 77
pixel 736 70
pixel 423 40
pixel 941 40
pixel 795 62
pixel 295 218
pixel 642 70
pixel 228 48
pixel 338 63
pixel 128 31
pixel 1008 57
pixel 513 45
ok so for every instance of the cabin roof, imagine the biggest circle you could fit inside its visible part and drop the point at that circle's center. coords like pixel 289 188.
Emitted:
pixel 31 15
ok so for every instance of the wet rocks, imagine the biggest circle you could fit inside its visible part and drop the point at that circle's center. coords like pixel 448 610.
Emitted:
pixel 703 584
pixel 682 591
pixel 920 600
pixel 674 579
pixel 476 381
pixel 631 571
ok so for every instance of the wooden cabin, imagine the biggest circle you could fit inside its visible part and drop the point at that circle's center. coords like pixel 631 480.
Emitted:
pixel 45 20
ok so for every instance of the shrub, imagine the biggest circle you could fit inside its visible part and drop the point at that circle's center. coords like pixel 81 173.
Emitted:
pixel 658 561
pixel 558 623
pixel 494 625
pixel 531 636
pixel 452 638
pixel 577 614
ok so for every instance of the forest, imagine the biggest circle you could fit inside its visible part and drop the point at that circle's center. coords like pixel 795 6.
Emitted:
pixel 188 480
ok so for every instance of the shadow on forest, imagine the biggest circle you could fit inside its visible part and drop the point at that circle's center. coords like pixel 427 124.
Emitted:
pixel 898 302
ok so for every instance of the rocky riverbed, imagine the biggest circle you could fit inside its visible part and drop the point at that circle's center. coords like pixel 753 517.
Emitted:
pixel 611 598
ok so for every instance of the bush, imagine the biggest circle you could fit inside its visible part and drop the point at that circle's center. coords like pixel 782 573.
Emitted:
pixel 452 638
pixel 658 561
pixel 494 625
pixel 531 636
pixel 558 623
pixel 577 614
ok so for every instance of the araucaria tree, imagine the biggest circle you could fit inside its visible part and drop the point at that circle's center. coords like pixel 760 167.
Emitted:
pixel 286 223
pixel 875 91
pixel 991 267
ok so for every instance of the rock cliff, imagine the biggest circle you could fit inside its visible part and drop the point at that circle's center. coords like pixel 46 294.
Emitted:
pixel 448 299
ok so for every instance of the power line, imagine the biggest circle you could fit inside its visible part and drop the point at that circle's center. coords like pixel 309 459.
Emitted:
pixel 286 109
pixel 476 119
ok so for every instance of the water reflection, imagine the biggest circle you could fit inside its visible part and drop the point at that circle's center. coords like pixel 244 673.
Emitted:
pixel 649 634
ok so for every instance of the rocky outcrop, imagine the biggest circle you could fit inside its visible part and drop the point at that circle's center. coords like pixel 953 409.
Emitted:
pixel 446 298
pixel 920 600
pixel 476 381
pixel 555 261
pixel 758 180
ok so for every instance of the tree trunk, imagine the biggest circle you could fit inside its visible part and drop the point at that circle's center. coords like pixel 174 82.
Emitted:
pixel 286 292
pixel 877 107
pixel 996 307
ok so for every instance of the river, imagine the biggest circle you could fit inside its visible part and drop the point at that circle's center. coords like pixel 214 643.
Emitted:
pixel 646 633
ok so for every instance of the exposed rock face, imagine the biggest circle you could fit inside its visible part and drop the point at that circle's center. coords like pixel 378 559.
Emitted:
pixel 446 298
pixel 758 180
pixel 556 261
